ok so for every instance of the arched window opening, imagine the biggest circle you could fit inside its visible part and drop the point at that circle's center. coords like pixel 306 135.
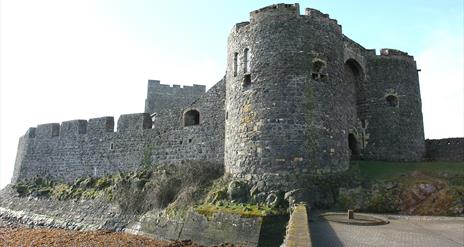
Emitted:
pixel 392 100
pixel 246 61
pixel 191 117
pixel 353 146
pixel 318 70
pixel 235 63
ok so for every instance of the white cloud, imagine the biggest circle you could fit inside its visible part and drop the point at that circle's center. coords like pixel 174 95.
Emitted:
pixel 442 85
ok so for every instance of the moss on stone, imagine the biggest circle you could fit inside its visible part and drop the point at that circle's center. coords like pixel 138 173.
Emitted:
pixel 245 210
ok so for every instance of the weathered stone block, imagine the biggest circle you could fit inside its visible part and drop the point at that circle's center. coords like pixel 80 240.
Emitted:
pixel 100 125
pixel 134 122
pixel 30 132
pixel 48 130
pixel 73 128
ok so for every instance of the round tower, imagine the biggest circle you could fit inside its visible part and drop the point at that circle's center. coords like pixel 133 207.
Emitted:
pixel 396 131
pixel 284 72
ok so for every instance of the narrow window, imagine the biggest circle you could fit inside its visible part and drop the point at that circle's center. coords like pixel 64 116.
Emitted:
pixel 191 117
pixel 235 63
pixel 246 80
pixel 318 70
pixel 246 61
pixel 392 100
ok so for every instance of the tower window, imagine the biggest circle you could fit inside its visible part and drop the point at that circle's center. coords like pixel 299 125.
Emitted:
pixel 246 61
pixel 392 100
pixel 318 69
pixel 191 117
pixel 235 63
pixel 246 80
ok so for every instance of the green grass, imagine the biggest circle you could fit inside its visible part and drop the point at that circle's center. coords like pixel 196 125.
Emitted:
pixel 380 170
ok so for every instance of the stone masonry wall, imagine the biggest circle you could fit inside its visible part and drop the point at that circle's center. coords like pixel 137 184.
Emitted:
pixel 92 148
pixel 160 97
pixel 287 119
pixel 392 109
pixel 449 149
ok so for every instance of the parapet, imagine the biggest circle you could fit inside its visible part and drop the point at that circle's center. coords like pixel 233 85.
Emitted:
pixel 134 122
pixel 157 87
pixel 100 125
pixel 240 25
pixel 386 52
pixel 314 13
pixel 30 133
pixel 276 10
pixel 73 128
pixel 161 96
pixel 449 149
pixel 48 130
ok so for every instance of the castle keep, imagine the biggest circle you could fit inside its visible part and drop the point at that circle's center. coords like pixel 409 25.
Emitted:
pixel 298 98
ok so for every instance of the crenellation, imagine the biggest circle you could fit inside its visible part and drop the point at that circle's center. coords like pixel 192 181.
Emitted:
pixel 73 128
pixel 447 149
pixel 134 122
pixel 161 96
pixel 275 10
pixel 47 130
pixel 239 25
pixel 100 125
pixel 315 14
pixel 30 133
pixel 386 52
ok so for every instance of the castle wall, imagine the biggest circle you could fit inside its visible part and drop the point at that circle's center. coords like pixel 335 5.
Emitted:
pixel 197 142
pixel 392 111
pixel 449 149
pixel 160 96
pixel 92 148
pixel 278 123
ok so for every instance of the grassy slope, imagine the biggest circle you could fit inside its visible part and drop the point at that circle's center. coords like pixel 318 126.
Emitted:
pixel 446 177
pixel 380 170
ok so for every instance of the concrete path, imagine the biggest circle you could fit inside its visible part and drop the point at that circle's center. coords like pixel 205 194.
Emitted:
pixel 401 232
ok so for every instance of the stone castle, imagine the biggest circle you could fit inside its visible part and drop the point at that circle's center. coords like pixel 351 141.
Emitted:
pixel 299 98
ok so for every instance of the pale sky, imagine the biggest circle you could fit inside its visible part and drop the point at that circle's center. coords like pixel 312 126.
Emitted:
pixel 77 59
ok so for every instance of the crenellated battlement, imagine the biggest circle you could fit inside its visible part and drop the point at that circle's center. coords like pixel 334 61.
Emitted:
pixel 163 96
pixel 314 13
pixel 134 122
pixel 92 127
pixel 239 25
pixel 73 128
pixel 100 125
pixel 448 149
pixel 387 52
pixel 155 85
pixel 47 130
pixel 275 10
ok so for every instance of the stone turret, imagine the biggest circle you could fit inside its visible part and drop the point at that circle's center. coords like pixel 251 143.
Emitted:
pixel 283 78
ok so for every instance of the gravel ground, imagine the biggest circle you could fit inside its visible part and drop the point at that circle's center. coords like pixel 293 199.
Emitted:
pixel 13 234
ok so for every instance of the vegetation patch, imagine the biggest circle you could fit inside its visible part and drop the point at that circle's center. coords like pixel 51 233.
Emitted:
pixel 244 210
pixel 172 187
pixel 419 188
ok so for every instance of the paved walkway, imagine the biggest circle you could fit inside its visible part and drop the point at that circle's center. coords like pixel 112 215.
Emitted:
pixel 401 232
